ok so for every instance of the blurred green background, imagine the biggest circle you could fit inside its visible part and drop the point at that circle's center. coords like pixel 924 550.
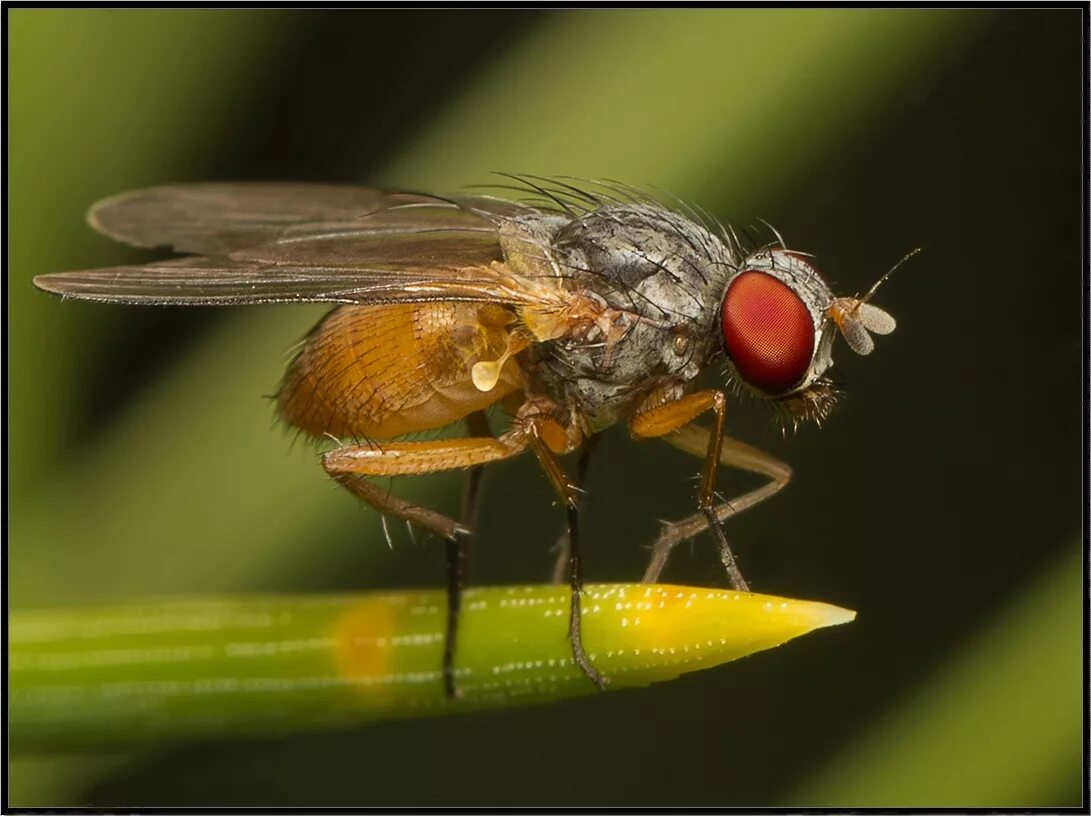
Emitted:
pixel 943 502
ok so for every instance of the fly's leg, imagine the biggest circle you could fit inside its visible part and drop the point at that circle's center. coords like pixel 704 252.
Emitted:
pixel 664 412
pixel 733 453
pixel 454 552
pixel 569 496
pixel 694 439
pixel 351 465
pixel 477 424
pixel 560 565
pixel 457 554
pixel 390 505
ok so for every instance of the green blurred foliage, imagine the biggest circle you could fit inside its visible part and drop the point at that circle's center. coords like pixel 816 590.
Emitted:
pixel 142 460
pixel 943 745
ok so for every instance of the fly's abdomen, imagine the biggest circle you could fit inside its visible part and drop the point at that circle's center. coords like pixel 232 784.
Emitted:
pixel 376 372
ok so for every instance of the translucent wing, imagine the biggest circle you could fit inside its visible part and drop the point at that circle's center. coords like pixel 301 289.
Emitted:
pixel 270 243
pixel 200 281
pixel 217 219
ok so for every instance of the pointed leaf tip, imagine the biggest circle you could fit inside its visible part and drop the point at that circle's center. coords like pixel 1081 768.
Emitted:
pixel 85 677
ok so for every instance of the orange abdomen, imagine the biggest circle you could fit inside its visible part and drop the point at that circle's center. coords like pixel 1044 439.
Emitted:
pixel 376 372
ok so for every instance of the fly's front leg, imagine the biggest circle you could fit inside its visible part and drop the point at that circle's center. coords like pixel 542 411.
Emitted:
pixel 665 412
pixel 733 453
pixel 547 439
pixel 351 465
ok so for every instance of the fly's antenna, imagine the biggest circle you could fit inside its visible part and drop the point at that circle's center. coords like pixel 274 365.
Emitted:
pixel 875 286
pixel 855 317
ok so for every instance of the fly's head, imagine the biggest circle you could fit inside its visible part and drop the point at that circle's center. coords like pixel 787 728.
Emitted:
pixel 779 321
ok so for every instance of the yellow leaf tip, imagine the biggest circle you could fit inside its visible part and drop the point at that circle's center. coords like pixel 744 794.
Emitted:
pixel 830 615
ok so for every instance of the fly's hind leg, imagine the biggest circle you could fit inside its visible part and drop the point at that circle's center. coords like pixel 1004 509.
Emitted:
pixel 457 553
pixel 351 465
pixel 668 414
pixel 477 424
pixel 390 505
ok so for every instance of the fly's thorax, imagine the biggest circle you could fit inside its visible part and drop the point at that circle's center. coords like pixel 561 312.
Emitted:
pixel 660 267
pixel 659 278
pixel 648 259
pixel 526 242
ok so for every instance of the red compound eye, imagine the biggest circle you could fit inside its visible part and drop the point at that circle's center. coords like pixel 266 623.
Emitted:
pixel 768 332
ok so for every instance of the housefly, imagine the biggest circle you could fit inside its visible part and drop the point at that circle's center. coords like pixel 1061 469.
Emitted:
pixel 577 307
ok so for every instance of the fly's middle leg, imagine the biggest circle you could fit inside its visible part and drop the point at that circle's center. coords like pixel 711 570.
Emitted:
pixel 564 546
pixel 569 495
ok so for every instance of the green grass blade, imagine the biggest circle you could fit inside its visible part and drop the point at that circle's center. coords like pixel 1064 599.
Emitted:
pixel 83 678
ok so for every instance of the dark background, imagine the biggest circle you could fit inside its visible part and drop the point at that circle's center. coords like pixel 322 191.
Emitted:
pixel 944 495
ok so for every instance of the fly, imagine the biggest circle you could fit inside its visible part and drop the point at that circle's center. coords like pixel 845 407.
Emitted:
pixel 583 307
